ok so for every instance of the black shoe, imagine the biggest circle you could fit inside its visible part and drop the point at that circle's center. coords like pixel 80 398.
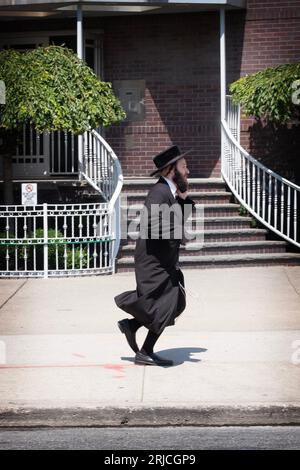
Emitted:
pixel 130 336
pixel 151 359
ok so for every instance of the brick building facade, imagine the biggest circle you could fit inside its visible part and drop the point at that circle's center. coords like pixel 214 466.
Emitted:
pixel 177 58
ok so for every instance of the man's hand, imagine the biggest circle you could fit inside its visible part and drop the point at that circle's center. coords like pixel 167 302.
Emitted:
pixel 182 195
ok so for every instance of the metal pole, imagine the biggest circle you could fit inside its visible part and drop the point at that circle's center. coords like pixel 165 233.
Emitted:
pixel 222 81
pixel 79 32
pixel 45 222
pixel 222 62
pixel 80 55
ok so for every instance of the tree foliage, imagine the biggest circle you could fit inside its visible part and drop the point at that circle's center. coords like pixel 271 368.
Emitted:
pixel 269 93
pixel 53 89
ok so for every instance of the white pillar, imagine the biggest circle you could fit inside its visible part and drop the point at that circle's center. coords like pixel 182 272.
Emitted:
pixel 79 32
pixel 80 55
pixel 45 223
pixel 222 82
pixel 222 62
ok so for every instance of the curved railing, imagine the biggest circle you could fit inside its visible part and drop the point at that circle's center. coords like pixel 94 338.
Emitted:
pixel 102 170
pixel 271 199
pixel 47 240
pixel 65 239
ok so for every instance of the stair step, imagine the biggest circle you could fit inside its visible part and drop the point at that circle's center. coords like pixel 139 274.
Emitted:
pixel 218 235
pixel 137 181
pixel 238 218
pixel 232 260
pixel 195 184
pixel 225 231
pixel 210 210
pixel 192 246
pixel 222 197
pixel 204 194
pixel 210 222
pixel 220 248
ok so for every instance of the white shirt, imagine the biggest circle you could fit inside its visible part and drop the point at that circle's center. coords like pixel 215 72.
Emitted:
pixel 172 185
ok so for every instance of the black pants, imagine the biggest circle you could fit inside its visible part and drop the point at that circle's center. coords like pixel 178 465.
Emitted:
pixel 151 337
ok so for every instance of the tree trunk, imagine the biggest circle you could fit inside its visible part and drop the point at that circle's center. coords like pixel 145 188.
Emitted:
pixel 9 137
pixel 8 176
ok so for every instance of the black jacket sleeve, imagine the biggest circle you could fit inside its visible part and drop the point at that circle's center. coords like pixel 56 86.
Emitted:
pixel 163 218
pixel 187 206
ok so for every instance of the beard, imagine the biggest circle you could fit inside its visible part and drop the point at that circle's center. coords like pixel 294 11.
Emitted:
pixel 180 181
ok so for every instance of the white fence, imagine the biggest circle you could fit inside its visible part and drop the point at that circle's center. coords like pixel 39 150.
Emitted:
pixel 56 240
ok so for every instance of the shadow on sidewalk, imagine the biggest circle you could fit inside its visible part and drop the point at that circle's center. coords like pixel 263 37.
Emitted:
pixel 178 355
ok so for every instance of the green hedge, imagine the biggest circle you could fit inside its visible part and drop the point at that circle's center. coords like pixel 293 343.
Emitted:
pixel 39 250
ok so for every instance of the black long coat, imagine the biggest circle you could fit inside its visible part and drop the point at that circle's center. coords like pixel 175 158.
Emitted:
pixel 158 298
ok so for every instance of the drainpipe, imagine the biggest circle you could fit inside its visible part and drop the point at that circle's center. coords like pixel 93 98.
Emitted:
pixel 80 55
pixel 222 75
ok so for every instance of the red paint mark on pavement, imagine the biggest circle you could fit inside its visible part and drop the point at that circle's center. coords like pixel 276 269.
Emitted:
pixel 116 367
pixel 46 366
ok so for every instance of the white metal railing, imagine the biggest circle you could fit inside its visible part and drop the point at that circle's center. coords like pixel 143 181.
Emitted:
pixel 31 156
pixel 102 170
pixel 63 153
pixel 56 240
pixel 100 166
pixel 271 199
pixel 233 118
pixel 40 155
pixel 58 153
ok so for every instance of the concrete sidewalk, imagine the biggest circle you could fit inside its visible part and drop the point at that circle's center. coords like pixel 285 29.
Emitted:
pixel 64 362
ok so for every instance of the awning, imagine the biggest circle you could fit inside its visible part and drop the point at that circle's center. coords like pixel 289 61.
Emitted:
pixel 55 8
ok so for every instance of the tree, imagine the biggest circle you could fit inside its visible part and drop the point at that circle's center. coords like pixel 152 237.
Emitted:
pixel 53 90
pixel 271 93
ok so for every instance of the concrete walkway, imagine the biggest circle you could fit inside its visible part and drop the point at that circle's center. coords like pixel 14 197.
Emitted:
pixel 236 348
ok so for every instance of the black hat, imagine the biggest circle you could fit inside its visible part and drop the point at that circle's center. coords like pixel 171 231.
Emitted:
pixel 168 156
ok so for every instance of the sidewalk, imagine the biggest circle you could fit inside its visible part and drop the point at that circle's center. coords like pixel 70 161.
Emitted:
pixel 64 362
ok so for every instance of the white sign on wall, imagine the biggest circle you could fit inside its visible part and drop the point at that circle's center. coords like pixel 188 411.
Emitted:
pixel 29 194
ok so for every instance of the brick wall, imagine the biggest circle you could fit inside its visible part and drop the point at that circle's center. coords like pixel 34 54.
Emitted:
pixel 178 57
pixel 270 33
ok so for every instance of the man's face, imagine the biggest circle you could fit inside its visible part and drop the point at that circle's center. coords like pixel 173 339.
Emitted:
pixel 182 168
pixel 181 173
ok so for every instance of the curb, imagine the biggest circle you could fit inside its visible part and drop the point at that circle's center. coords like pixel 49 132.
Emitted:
pixel 256 415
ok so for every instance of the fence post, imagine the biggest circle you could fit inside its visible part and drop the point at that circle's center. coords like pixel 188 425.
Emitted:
pixel 45 220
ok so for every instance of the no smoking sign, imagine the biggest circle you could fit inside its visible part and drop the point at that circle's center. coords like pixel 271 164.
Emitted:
pixel 29 194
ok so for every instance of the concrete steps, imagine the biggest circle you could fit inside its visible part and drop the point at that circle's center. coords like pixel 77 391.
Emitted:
pixel 209 222
pixel 223 236
pixel 201 197
pixel 219 235
pixel 219 261
pixel 210 210
pixel 215 248
pixel 132 185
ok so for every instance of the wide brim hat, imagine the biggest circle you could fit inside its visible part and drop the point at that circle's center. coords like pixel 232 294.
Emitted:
pixel 168 156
